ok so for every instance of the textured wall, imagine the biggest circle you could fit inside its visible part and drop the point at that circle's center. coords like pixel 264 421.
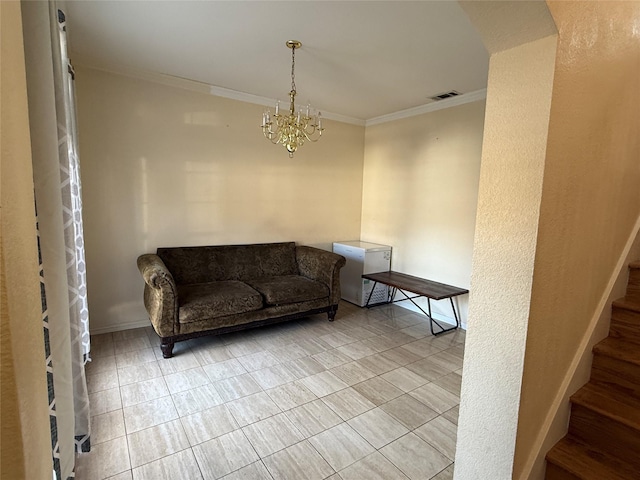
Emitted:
pixel 513 154
pixel 25 437
pixel 166 166
pixel 590 197
pixel 420 193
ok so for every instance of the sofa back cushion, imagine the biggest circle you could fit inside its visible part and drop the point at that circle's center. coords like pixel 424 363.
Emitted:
pixel 229 262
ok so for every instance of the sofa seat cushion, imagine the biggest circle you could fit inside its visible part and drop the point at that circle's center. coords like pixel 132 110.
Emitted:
pixel 285 289
pixel 203 301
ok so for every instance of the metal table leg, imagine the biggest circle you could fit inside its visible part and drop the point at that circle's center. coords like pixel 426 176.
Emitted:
pixel 431 319
pixel 391 295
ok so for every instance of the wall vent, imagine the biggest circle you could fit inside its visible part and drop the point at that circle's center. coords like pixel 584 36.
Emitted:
pixel 442 96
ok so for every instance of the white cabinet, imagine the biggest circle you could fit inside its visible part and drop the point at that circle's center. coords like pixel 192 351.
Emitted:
pixel 362 257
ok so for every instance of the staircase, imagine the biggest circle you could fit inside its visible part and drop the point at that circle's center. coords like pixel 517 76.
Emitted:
pixel 603 442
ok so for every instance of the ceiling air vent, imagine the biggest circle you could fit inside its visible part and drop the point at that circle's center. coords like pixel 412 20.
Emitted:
pixel 442 96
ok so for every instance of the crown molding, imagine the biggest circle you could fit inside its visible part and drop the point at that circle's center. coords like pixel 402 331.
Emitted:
pixel 429 107
pixel 200 87
pixel 270 102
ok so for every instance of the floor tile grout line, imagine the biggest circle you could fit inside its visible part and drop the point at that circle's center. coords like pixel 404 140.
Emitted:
pixel 442 470
pixel 126 439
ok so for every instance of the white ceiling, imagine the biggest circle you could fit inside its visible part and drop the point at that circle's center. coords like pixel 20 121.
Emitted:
pixel 358 59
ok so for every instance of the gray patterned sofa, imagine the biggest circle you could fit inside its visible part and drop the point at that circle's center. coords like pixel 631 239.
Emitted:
pixel 195 291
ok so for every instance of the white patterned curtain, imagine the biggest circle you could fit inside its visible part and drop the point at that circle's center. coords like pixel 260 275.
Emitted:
pixel 71 194
pixel 57 186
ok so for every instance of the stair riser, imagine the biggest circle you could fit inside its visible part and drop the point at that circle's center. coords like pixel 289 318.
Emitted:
pixel 605 434
pixel 624 331
pixel 612 371
pixel 625 324
pixel 633 287
pixel 556 472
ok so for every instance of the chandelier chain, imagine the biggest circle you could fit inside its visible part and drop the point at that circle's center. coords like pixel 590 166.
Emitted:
pixel 293 65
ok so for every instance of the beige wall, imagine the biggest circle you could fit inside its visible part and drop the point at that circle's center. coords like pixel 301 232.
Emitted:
pixel 590 198
pixel 420 193
pixel 25 437
pixel 513 155
pixel 165 166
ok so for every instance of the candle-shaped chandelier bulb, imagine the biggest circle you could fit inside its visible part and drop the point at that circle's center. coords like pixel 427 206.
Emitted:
pixel 292 129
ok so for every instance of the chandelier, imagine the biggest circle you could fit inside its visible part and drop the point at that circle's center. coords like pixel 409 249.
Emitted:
pixel 293 128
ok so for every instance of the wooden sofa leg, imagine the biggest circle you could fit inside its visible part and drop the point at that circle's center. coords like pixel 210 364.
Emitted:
pixel 332 313
pixel 167 349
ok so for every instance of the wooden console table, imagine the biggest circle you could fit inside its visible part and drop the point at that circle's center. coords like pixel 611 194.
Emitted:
pixel 399 282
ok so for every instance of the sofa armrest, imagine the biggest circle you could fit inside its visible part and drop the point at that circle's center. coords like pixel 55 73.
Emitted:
pixel 323 267
pixel 160 295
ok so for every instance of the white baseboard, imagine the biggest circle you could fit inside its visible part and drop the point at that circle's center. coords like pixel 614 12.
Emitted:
pixel 440 317
pixel 120 326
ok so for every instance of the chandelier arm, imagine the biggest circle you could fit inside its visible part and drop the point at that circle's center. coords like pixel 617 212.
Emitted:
pixel 309 135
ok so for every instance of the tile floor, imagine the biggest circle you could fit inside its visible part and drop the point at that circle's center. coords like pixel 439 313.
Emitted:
pixel 371 396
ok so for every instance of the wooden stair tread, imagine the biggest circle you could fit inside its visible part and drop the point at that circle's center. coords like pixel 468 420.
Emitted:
pixel 587 463
pixel 635 264
pixel 619 349
pixel 610 402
